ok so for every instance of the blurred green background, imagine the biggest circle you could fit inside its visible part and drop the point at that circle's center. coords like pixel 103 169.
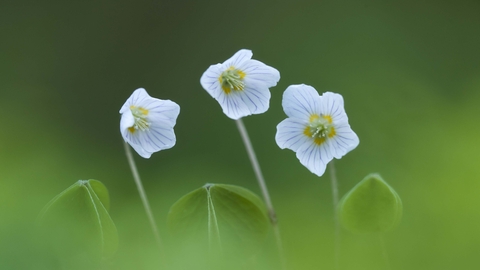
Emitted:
pixel 409 72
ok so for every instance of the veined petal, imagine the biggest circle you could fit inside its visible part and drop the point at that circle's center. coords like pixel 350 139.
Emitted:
pixel 133 140
pixel 161 132
pixel 345 138
pixel 238 58
pixel 256 96
pixel 301 101
pixel 314 157
pixel 332 104
pixel 290 134
pixel 157 139
pixel 126 121
pixel 233 105
pixel 210 82
pixel 137 97
pixel 141 151
pixel 258 71
pixel 165 110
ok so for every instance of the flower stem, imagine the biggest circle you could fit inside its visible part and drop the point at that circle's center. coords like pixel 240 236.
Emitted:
pixel 143 196
pixel 263 188
pixel 384 251
pixel 333 178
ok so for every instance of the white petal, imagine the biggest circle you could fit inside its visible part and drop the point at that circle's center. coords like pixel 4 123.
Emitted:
pixel 314 157
pixel 233 106
pixel 301 101
pixel 238 58
pixel 126 121
pixel 142 152
pixel 333 148
pixel 332 104
pixel 137 97
pixel 256 96
pixel 133 140
pixel 290 134
pixel 161 135
pixel 166 110
pixel 345 139
pixel 258 71
pixel 209 80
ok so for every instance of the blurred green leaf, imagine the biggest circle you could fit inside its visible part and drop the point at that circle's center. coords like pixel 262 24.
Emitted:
pixel 220 216
pixel 101 191
pixel 77 222
pixel 371 206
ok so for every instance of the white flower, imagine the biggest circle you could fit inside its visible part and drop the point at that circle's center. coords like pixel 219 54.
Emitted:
pixel 240 84
pixel 317 128
pixel 147 123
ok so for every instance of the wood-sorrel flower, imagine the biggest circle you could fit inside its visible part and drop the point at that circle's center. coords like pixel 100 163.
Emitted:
pixel 241 84
pixel 317 128
pixel 147 123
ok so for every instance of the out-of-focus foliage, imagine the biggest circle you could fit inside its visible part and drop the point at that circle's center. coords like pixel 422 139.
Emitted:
pixel 225 220
pixel 76 225
pixel 408 72
pixel 371 206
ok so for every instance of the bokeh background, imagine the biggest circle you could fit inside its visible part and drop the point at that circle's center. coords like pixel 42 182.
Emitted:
pixel 409 72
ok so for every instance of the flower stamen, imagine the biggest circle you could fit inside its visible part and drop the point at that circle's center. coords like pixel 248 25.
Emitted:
pixel 232 79
pixel 320 128
pixel 140 116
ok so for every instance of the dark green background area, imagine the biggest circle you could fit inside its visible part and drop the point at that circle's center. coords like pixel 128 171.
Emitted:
pixel 409 72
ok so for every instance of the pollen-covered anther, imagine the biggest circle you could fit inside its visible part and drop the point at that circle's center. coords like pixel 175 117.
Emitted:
pixel 232 79
pixel 140 116
pixel 320 128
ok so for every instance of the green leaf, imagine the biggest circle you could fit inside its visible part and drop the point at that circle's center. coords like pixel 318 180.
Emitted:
pixel 371 206
pixel 217 216
pixel 78 224
pixel 101 191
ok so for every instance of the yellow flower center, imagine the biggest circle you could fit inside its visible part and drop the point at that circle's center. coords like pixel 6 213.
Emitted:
pixel 232 79
pixel 140 116
pixel 320 128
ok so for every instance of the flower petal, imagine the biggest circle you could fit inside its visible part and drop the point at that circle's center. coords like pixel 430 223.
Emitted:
pixel 314 157
pixel 142 152
pixel 301 101
pixel 137 97
pixel 209 80
pixel 345 138
pixel 332 104
pixel 238 58
pixel 290 134
pixel 256 97
pixel 133 140
pixel 163 109
pixel 157 137
pixel 126 121
pixel 258 71
pixel 233 105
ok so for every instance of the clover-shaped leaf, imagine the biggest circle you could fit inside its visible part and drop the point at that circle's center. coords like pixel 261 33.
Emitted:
pixel 77 222
pixel 371 206
pixel 220 217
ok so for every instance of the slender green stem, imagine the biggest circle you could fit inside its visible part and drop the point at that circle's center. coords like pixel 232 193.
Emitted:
pixel 263 188
pixel 333 178
pixel 143 196
pixel 384 251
